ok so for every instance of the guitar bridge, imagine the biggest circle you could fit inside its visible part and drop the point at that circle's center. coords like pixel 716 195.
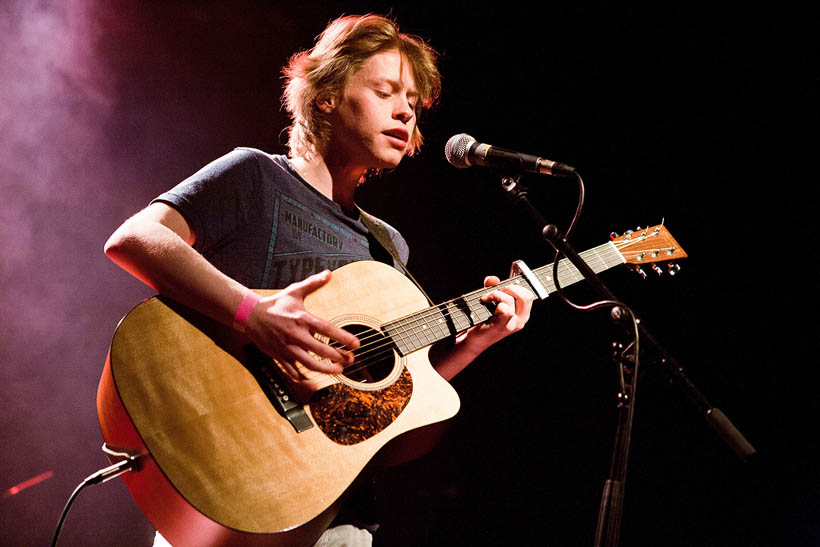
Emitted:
pixel 260 366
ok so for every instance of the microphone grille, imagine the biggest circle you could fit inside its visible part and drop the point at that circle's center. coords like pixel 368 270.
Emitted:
pixel 456 150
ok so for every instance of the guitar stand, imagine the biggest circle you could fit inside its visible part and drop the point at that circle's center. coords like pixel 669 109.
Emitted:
pixel 607 532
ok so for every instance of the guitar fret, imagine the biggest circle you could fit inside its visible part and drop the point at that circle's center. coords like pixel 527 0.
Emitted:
pixel 417 331
pixel 437 326
pixel 599 259
pixel 429 326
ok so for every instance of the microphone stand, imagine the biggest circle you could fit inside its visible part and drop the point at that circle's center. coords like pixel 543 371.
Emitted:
pixel 611 509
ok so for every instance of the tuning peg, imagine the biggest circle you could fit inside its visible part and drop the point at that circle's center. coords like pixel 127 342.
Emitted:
pixel 673 268
pixel 657 269
pixel 638 270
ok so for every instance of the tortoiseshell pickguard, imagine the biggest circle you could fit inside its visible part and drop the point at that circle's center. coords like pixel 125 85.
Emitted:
pixel 349 416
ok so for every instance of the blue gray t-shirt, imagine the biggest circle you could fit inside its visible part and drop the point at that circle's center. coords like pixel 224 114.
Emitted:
pixel 260 223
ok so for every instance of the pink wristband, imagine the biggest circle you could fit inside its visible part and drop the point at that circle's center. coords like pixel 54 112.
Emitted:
pixel 243 313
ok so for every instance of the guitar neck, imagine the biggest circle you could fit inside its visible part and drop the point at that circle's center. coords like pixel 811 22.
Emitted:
pixel 426 327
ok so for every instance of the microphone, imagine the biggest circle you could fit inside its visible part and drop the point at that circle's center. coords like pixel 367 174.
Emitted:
pixel 464 151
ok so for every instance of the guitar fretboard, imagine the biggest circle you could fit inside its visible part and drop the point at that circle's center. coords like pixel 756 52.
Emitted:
pixel 428 326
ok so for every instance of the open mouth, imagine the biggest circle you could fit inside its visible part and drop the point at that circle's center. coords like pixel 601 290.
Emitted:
pixel 400 136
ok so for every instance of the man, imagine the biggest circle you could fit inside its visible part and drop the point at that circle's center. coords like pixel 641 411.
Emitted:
pixel 253 220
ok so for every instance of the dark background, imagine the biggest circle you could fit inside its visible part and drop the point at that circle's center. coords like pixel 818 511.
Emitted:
pixel 695 115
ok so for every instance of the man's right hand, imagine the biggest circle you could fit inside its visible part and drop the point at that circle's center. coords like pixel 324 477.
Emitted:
pixel 281 327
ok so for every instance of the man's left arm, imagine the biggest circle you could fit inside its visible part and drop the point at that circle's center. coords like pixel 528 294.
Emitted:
pixel 513 305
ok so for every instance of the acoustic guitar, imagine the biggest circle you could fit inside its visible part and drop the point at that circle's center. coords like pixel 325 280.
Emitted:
pixel 231 456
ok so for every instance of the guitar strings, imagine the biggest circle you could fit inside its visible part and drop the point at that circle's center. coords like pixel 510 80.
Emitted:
pixel 377 345
pixel 409 330
pixel 415 325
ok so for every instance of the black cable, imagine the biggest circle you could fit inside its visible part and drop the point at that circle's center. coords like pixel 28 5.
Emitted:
pixel 63 516
pixel 129 463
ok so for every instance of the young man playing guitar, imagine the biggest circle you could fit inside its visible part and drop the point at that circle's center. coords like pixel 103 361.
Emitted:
pixel 251 220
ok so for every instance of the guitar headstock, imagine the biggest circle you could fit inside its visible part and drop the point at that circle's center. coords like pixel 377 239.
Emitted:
pixel 651 245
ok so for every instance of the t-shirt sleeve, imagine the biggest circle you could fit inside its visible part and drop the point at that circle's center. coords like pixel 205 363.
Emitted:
pixel 218 200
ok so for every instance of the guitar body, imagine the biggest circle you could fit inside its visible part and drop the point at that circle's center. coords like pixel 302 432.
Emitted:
pixel 221 464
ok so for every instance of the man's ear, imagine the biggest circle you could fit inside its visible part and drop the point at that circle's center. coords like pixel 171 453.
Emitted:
pixel 326 102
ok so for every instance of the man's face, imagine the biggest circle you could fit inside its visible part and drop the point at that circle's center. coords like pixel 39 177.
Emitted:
pixel 374 118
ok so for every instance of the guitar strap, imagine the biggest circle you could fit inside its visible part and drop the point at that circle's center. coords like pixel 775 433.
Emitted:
pixel 377 228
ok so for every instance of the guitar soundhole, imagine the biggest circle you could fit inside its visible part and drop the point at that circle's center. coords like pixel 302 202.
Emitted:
pixel 375 359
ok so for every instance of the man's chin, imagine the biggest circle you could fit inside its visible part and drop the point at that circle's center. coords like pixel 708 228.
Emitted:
pixel 391 161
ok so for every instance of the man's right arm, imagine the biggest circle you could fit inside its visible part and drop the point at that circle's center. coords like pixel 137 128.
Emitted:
pixel 156 247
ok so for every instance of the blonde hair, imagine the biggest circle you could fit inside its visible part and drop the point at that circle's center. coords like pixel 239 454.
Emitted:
pixel 342 48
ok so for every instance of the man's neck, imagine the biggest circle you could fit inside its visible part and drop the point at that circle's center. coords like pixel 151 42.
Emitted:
pixel 335 181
